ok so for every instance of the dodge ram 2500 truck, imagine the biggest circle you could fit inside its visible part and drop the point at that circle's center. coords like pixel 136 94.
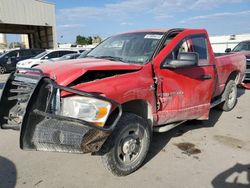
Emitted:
pixel 110 102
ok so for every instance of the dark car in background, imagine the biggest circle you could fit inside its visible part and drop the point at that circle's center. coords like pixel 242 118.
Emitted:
pixel 243 47
pixel 9 59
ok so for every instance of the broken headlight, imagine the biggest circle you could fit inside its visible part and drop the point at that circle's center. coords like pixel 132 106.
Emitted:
pixel 85 108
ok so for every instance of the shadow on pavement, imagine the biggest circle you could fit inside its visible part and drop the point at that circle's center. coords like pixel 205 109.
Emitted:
pixel 160 140
pixel 223 179
pixel 241 91
pixel 8 173
pixel 1 85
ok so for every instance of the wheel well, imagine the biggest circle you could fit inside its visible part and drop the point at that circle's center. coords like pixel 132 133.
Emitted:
pixel 140 108
pixel 234 76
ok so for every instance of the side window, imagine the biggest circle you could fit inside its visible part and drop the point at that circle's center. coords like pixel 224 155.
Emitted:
pixel 184 46
pixel 62 53
pixel 36 52
pixel 52 55
pixel 199 44
pixel 25 53
pixel 12 54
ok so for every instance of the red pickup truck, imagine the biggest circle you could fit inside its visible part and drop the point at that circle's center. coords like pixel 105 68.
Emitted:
pixel 110 102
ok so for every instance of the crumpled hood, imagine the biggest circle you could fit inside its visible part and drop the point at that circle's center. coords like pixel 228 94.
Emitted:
pixel 65 72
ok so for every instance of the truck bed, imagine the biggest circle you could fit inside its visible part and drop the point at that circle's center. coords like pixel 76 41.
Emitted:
pixel 226 64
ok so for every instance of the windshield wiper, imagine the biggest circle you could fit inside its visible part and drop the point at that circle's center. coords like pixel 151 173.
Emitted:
pixel 110 58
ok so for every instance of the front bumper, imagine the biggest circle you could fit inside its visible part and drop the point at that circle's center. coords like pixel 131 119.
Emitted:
pixel 28 103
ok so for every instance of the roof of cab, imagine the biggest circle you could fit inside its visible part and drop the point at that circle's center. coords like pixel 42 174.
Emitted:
pixel 148 30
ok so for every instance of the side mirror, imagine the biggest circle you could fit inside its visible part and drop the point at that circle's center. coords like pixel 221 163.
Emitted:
pixel 46 57
pixel 228 50
pixel 184 59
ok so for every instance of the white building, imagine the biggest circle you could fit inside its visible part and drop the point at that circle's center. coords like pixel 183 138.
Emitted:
pixel 3 41
pixel 221 43
pixel 35 18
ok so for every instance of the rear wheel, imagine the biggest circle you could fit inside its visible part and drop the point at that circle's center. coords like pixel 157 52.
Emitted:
pixel 127 146
pixel 230 96
pixel 2 70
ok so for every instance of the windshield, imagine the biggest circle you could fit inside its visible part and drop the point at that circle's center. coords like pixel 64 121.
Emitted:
pixel 83 54
pixel 242 46
pixel 40 55
pixel 1 55
pixel 129 48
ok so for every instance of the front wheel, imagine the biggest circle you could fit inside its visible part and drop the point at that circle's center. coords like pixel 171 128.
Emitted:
pixel 128 145
pixel 230 96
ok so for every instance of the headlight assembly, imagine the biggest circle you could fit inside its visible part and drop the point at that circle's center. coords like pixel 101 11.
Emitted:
pixel 85 108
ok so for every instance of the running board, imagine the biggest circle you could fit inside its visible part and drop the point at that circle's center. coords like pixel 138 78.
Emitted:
pixel 165 128
pixel 216 102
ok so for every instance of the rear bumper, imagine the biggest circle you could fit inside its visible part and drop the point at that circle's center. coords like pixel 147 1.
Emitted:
pixel 28 104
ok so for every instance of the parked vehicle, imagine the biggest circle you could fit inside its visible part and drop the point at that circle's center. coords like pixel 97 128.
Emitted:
pixel 111 101
pixel 8 60
pixel 69 56
pixel 243 47
pixel 84 54
pixel 44 57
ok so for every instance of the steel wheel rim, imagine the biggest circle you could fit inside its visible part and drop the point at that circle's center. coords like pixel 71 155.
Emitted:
pixel 2 70
pixel 232 97
pixel 130 145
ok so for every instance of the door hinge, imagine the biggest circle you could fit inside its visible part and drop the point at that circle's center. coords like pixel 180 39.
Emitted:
pixel 152 87
pixel 155 80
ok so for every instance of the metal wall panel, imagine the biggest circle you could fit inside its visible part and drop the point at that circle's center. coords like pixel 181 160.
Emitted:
pixel 27 12
pixel 27 17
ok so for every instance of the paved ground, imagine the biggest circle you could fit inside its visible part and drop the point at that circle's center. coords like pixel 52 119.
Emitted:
pixel 216 154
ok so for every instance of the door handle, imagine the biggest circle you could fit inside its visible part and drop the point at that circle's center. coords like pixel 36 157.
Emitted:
pixel 206 77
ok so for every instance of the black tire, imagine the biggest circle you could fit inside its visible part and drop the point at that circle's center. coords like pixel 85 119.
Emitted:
pixel 127 146
pixel 230 96
pixel 2 69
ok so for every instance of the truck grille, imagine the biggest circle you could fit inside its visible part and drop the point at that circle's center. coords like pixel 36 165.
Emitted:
pixel 247 77
pixel 14 99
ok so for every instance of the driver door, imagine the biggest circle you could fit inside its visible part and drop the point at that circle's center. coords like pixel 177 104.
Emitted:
pixel 185 93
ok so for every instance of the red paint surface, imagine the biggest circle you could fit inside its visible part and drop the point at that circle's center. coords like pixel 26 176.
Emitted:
pixel 189 96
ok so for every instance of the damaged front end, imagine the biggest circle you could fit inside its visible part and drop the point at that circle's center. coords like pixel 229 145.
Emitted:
pixel 32 103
